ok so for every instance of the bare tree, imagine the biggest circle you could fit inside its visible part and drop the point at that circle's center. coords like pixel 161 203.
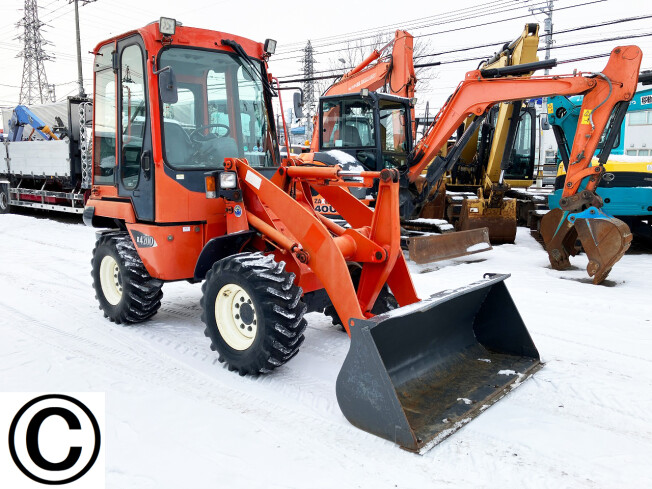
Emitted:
pixel 356 51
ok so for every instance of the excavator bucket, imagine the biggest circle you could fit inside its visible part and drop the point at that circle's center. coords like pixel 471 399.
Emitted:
pixel 427 249
pixel 417 374
pixel 604 238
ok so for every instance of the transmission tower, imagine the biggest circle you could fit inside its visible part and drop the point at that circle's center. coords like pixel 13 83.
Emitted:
pixel 308 85
pixel 34 88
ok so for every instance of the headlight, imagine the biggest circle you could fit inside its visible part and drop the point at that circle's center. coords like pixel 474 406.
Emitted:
pixel 228 180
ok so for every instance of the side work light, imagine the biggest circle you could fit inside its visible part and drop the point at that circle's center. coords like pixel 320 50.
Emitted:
pixel 167 26
pixel 270 46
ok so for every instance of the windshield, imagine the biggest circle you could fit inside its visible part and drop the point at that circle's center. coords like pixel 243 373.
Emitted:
pixel 347 123
pixel 220 112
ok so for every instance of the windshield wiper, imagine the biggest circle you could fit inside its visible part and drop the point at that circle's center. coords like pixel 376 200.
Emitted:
pixel 241 52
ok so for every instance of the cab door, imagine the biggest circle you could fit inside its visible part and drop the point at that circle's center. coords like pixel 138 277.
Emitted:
pixel 136 173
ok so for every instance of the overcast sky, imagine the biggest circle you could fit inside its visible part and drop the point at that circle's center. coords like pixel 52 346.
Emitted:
pixel 293 23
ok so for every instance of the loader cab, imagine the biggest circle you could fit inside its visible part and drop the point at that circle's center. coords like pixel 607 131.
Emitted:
pixel 372 127
pixel 171 107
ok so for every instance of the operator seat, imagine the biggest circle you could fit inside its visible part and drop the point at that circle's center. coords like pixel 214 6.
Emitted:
pixel 177 144
pixel 351 136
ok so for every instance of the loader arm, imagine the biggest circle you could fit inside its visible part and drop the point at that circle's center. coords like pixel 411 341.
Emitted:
pixel 374 239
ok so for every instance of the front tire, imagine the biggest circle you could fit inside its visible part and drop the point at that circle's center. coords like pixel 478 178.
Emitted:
pixel 253 313
pixel 123 287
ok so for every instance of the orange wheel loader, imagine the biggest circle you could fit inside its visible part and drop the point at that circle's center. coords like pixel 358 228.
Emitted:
pixel 188 185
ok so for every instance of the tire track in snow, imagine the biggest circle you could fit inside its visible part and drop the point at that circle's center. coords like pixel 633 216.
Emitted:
pixel 155 367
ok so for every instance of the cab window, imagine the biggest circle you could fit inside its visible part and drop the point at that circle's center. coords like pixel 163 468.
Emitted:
pixel 133 114
pixel 104 123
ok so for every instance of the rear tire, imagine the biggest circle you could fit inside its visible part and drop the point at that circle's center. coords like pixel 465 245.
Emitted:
pixel 4 198
pixel 123 287
pixel 253 313
pixel 384 303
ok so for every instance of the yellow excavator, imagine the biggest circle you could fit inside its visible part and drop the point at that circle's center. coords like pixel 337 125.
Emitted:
pixel 499 155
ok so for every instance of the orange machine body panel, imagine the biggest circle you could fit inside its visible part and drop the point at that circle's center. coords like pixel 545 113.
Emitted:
pixel 168 252
pixel 176 207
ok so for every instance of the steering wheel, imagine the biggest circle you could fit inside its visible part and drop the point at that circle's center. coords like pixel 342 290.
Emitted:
pixel 196 136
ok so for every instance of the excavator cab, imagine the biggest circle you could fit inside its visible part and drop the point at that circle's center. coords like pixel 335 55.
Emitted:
pixel 374 128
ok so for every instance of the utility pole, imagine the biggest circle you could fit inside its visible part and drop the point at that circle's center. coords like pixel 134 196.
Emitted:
pixel 542 116
pixel 547 26
pixel 34 87
pixel 80 75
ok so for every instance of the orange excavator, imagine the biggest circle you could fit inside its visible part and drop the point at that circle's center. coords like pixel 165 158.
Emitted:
pixel 606 95
pixel 188 184
pixel 376 131
pixel 394 73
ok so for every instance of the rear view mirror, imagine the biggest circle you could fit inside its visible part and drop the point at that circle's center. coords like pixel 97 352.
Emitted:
pixel 298 104
pixel 167 86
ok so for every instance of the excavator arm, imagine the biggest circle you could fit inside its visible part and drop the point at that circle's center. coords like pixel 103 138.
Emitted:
pixel 477 93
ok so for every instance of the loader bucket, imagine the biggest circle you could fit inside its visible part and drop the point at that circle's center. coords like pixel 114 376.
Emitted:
pixel 427 249
pixel 417 374
pixel 604 238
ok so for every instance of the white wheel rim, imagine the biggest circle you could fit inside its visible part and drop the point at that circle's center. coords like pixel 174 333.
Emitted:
pixel 111 280
pixel 236 318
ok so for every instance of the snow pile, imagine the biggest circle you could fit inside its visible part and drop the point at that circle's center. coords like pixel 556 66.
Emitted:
pixel 175 417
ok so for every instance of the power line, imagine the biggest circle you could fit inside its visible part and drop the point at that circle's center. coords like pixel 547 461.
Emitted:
pixel 563 31
pixel 381 29
pixel 482 24
pixel 483 14
pixel 501 43
pixel 479 58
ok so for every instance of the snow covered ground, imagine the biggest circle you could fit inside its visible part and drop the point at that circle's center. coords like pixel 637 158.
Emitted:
pixel 177 418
